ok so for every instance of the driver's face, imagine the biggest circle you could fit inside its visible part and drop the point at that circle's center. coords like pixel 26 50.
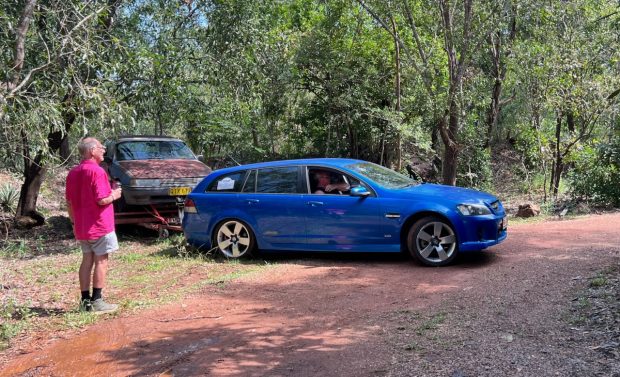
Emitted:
pixel 322 177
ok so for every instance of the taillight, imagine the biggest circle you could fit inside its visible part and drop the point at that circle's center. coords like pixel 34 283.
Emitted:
pixel 189 206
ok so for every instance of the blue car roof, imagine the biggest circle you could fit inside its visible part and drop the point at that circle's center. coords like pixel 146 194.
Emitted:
pixel 338 162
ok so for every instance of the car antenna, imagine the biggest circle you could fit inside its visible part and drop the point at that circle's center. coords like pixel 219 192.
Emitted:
pixel 235 161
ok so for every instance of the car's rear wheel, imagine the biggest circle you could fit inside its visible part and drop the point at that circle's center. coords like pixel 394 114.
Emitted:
pixel 432 241
pixel 234 239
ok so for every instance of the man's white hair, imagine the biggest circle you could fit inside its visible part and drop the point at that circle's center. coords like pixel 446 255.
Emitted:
pixel 85 145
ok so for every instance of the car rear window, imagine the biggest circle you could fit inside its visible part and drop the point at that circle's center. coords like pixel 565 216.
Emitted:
pixel 228 183
pixel 280 180
pixel 153 150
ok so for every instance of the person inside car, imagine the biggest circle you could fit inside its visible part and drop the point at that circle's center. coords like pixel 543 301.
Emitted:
pixel 323 183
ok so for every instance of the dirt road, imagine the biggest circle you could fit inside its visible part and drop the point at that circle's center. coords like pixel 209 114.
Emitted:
pixel 503 311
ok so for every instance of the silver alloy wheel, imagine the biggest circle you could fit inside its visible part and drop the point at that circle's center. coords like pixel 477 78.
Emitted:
pixel 233 239
pixel 435 242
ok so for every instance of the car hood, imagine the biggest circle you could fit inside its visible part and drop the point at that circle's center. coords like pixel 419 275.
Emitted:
pixel 165 168
pixel 452 193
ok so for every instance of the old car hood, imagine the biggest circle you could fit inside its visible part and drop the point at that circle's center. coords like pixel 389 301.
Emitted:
pixel 165 168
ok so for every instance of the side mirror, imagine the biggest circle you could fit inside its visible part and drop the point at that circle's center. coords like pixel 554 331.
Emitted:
pixel 200 158
pixel 359 191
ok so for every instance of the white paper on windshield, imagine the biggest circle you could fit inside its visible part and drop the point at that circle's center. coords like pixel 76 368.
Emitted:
pixel 226 184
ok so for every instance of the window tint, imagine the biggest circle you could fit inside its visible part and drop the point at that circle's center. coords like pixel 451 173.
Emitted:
pixel 277 180
pixel 228 183
pixel 250 182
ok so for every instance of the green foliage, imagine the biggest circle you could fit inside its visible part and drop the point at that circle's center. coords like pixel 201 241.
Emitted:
pixel 15 249
pixel 474 169
pixel 8 197
pixel 596 175
pixel 245 81
pixel 14 320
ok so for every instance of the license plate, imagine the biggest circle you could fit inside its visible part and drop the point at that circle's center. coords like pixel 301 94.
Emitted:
pixel 177 191
pixel 504 224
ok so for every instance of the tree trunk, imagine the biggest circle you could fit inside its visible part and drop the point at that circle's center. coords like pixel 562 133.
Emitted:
pixel 498 74
pixel 457 62
pixel 34 173
pixel 450 155
pixel 496 92
pixel 29 193
pixel 397 93
pixel 558 166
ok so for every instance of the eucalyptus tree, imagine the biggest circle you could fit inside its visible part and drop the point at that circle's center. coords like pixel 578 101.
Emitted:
pixel 438 45
pixel 346 80
pixel 50 80
pixel 568 68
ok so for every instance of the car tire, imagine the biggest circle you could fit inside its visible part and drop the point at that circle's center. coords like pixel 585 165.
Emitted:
pixel 432 241
pixel 234 239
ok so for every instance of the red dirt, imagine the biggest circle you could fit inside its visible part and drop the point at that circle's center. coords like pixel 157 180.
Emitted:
pixel 343 316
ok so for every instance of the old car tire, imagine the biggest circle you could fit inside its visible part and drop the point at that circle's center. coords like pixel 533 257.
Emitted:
pixel 432 241
pixel 234 239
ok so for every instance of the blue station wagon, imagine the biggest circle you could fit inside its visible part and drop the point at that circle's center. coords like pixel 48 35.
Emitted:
pixel 338 205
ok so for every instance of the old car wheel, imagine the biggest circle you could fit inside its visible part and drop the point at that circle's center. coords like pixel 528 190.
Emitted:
pixel 432 241
pixel 234 239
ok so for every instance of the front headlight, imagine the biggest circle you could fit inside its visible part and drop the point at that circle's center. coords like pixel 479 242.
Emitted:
pixel 145 182
pixel 473 209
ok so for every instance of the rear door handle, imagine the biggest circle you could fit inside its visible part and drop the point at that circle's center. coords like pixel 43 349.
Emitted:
pixel 314 204
pixel 252 201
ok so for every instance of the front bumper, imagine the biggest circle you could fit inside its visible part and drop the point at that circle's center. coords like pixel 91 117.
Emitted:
pixel 484 231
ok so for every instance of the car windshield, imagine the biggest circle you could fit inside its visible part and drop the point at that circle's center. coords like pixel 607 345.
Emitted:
pixel 153 150
pixel 383 176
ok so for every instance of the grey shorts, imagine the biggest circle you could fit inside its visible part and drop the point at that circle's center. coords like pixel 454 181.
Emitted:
pixel 101 246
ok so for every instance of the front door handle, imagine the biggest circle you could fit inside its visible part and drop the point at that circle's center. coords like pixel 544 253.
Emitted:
pixel 252 201
pixel 314 204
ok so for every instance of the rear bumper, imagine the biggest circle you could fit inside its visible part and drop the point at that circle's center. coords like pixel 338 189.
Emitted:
pixel 146 196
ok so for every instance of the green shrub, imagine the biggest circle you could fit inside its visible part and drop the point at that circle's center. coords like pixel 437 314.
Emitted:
pixel 596 174
pixel 474 168
pixel 8 198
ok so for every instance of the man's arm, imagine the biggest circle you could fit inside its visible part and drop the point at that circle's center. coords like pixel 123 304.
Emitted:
pixel 70 211
pixel 116 193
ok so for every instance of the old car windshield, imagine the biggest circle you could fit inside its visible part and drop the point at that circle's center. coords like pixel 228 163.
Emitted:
pixel 153 150
pixel 383 176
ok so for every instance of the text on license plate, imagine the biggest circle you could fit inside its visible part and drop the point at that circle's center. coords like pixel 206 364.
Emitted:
pixel 176 191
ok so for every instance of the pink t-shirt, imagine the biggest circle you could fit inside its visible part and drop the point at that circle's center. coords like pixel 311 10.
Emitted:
pixel 87 184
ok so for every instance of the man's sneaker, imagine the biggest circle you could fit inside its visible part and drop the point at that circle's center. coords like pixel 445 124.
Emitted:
pixel 86 306
pixel 100 306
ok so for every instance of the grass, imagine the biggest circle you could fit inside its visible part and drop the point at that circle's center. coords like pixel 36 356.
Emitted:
pixel 431 324
pixel 414 330
pixel 15 319
pixel 15 249
pixel 598 281
pixel 142 274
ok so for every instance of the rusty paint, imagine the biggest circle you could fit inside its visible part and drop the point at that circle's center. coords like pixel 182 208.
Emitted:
pixel 165 168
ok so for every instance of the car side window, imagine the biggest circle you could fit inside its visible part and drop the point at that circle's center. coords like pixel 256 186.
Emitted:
pixel 280 180
pixel 231 182
pixel 319 178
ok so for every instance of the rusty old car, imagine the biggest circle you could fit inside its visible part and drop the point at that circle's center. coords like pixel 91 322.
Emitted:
pixel 155 173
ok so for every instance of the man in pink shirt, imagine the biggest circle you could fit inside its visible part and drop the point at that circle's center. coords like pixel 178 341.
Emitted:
pixel 89 203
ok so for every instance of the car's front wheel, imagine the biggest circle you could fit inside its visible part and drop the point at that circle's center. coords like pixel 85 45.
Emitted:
pixel 234 239
pixel 432 241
